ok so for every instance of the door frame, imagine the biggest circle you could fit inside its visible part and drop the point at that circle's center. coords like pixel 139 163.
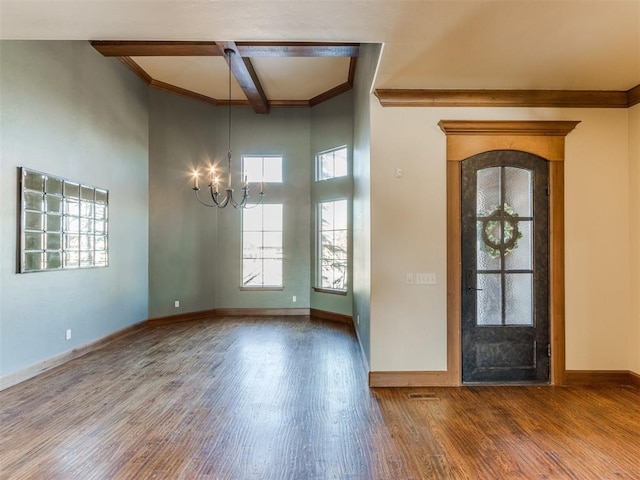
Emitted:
pixel 546 139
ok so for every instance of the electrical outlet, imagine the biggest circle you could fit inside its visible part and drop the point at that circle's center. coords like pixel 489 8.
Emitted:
pixel 67 334
pixel 295 299
pixel 176 304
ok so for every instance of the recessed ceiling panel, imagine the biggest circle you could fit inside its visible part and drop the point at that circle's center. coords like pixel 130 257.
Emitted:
pixel 298 78
pixel 207 76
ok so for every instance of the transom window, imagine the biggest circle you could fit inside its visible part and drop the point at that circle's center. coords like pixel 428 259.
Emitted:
pixel 332 245
pixel 263 168
pixel 331 164
pixel 64 224
pixel 262 246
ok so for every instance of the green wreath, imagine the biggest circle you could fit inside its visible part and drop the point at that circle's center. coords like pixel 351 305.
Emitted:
pixel 491 243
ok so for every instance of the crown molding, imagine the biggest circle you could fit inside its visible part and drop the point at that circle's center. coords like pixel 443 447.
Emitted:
pixel 508 98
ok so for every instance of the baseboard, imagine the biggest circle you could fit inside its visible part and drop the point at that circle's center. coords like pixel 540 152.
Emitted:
pixel 262 312
pixel 334 317
pixel 181 317
pixel 601 377
pixel 409 379
pixel 31 371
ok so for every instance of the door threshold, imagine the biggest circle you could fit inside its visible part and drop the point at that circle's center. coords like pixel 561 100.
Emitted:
pixel 507 384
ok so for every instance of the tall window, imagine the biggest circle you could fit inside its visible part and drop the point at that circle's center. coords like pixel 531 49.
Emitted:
pixel 331 164
pixel 332 245
pixel 261 168
pixel 262 246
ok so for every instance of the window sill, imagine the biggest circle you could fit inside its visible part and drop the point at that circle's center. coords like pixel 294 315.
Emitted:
pixel 261 289
pixel 330 291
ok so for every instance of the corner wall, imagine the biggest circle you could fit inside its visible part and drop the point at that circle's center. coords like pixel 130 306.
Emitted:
pixel 634 226
pixel 368 59
pixel 68 111
pixel 408 322
pixel 331 127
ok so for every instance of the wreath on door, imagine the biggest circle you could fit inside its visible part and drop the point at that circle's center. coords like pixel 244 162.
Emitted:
pixel 491 242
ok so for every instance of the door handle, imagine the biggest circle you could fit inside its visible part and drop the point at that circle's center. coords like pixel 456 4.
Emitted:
pixel 471 285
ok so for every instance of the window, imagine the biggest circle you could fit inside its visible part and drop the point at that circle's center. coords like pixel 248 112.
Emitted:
pixel 332 245
pixel 262 168
pixel 331 164
pixel 262 246
pixel 64 224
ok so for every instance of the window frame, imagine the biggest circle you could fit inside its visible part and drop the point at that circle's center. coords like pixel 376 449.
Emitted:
pixel 263 286
pixel 318 167
pixel 262 179
pixel 319 287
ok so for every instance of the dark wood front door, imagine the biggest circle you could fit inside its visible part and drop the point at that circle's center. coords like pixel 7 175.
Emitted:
pixel 505 268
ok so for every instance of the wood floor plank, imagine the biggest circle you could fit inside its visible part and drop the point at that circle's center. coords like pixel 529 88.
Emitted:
pixel 277 398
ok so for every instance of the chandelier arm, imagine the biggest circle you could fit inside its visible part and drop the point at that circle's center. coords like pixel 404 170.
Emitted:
pixel 196 190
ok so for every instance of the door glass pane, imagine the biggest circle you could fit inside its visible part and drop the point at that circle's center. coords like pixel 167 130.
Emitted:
pixel 518 257
pixel 518 299
pixel 488 257
pixel 488 193
pixel 489 299
pixel 518 190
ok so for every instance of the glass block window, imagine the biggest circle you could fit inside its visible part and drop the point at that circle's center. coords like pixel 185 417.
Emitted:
pixel 64 224
pixel 262 246
pixel 258 168
pixel 331 164
pixel 332 245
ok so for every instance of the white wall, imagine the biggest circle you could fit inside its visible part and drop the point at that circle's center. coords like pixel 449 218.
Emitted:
pixel 408 322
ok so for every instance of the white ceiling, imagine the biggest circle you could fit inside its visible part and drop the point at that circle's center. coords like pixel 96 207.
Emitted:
pixel 448 44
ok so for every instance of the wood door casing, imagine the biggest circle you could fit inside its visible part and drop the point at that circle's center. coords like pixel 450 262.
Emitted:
pixel 546 139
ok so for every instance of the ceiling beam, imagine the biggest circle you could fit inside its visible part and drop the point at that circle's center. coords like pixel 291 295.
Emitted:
pixel 156 49
pixel 297 49
pixel 246 76
pixel 118 48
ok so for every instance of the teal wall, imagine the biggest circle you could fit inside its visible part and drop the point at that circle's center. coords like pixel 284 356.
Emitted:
pixel 70 112
pixel 365 72
pixel 331 127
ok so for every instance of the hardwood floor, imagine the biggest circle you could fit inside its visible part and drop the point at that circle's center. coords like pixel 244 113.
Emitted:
pixel 286 398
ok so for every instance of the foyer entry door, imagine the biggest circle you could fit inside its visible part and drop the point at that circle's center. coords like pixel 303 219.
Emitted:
pixel 505 268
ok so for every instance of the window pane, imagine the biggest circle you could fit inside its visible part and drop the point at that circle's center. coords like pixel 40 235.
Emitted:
pixel 272 272
pixel 54 260
pixel 341 162
pixel 54 204
pixel 333 245
pixel 34 201
pixel 519 299
pixel 272 169
pixel 33 221
pixel 54 186
pixel 33 261
pixel 252 219
pixel 262 246
pixel 54 241
pixel 252 168
pixel 488 193
pixel 34 181
pixel 252 272
pixel 272 217
pixel 33 241
pixel 331 164
pixel 489 299
pixel 340 214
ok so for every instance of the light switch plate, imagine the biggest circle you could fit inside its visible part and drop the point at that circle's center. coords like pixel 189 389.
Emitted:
pixel 425 278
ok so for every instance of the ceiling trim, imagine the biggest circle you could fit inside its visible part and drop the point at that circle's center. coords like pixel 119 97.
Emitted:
pixel 137 69
pixel 119 48
pixel 245 74
pixel 633 96
pixel 506 98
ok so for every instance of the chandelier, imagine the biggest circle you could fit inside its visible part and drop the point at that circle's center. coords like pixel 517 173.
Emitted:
pixel 214 180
